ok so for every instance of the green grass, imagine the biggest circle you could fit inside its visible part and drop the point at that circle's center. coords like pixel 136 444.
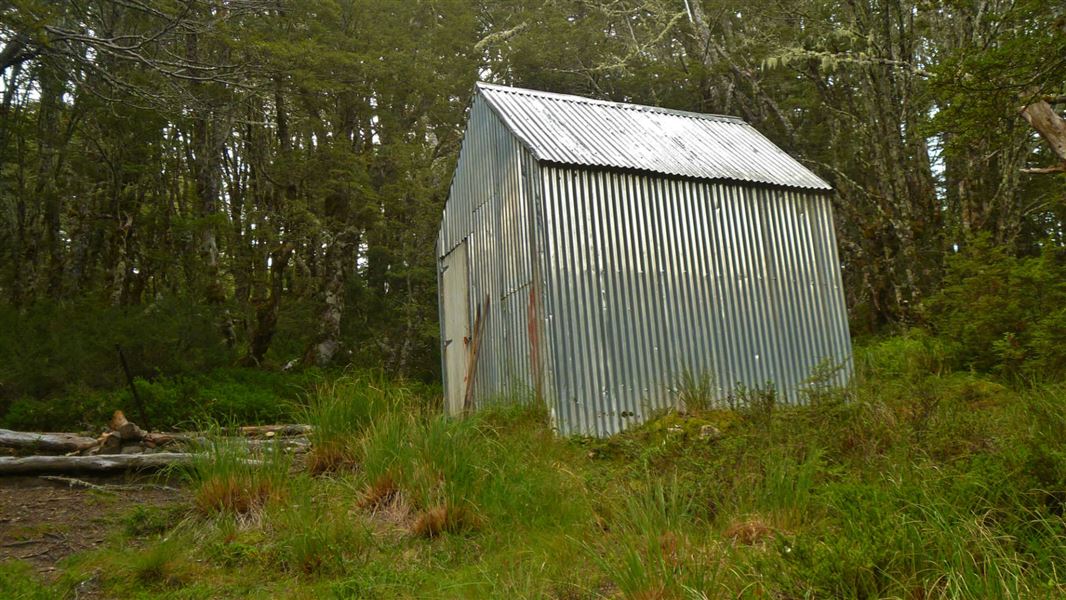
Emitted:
pixel 914 482
pixel 18 583
pixel 339 410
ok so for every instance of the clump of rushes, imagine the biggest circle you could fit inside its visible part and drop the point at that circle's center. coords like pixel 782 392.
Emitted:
pixel 432 462
pixel 695 392
pixel 228 479
pixel 496 467
pixel 656 547
pixel 339 411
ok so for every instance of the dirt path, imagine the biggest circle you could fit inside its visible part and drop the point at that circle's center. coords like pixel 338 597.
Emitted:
pixel 42 521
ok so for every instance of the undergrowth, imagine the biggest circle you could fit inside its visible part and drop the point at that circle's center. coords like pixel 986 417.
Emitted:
pixel 916 481
pixel 238 395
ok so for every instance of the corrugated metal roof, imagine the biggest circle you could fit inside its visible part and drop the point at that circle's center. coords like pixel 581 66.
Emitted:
pixel 581 131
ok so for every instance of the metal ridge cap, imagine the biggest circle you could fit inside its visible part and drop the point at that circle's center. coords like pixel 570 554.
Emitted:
pixel 483 85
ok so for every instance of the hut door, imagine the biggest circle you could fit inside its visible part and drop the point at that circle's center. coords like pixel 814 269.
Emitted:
pixel 455 280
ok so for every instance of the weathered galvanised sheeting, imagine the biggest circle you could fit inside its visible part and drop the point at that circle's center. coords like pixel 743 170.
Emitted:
pixel 488 209
pixel 649 277
pixel 580 131
pixel 596 284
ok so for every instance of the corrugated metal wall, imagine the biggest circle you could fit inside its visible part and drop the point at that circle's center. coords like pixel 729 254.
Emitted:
pixel 615 283
pixel 647 276
pixel 489 209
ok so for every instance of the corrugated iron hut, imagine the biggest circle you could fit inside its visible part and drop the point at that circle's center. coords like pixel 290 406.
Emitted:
pixel 591 252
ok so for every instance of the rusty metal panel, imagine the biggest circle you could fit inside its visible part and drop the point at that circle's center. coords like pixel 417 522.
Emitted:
pixel 488 213
pixel 647 277
pixel 581 131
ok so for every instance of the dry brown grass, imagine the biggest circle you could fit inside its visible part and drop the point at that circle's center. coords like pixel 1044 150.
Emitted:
pixel 671 546
pixel 749 532
pixel 431 523
pixel 329 458
pixel 380 493
pixel 441 519
pixel 235 494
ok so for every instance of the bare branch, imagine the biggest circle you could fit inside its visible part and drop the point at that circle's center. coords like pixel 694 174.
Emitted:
pixel 1049 124
pixel 497 37
pixel 1046 170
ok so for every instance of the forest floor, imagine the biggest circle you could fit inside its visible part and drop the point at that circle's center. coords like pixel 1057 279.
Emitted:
pixel 43 521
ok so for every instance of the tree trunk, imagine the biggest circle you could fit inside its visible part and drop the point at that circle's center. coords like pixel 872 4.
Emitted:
pixel 48 135
pixel 208 141
pixel 266 311
pixel 328 342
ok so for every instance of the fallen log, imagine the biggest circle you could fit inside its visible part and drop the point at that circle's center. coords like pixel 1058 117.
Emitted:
pixel 163 439
pixel 99 463
pixel 275 430
pixel 296 445
pixel 59 443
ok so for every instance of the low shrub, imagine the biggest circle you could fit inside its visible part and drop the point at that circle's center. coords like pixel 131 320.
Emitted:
pixel 50 345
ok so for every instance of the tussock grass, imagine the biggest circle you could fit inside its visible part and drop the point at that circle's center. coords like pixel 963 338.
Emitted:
pixel 226 478
pixel 339 410
pixel 312 535
pixel 379 493
pixel 161 565
pixel 695 392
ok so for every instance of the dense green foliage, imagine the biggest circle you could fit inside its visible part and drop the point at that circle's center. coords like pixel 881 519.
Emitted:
pixel 262 185
pixel 237 396
pixel 1005 314
pixel 916 481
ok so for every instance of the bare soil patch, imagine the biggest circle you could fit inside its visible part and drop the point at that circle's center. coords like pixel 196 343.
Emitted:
pixel 43 521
